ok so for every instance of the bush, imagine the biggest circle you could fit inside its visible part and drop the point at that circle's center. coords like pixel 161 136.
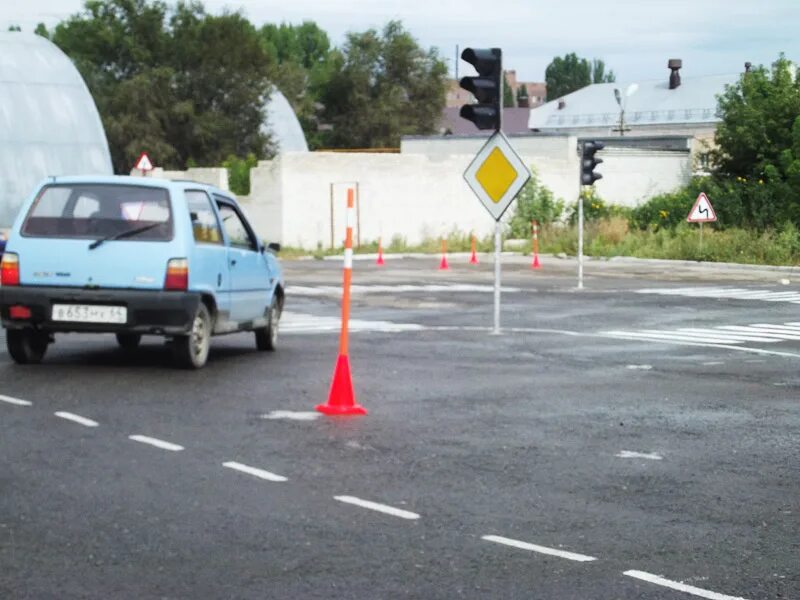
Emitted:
pixel 239 173
pixel 535 202
pixel 595 208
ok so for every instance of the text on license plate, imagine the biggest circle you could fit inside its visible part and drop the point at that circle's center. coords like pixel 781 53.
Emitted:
pixel 90 313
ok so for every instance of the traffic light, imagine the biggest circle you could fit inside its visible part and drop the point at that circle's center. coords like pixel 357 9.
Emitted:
pixel 487 87
pixel 589 162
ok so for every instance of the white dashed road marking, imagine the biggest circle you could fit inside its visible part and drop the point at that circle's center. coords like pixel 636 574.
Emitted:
pixel 15 401
pixel 77 419
pixel 681 587
pixel 631 454
pixel 291 415
pixel 639 367
pixel 535 548
pixel 389 510
pixel 156 442
pixel 260 473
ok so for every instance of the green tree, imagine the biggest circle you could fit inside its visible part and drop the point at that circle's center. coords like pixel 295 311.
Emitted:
pixel 301 68
pixel 41 29
pixel 570 73
pixel 599 74
pixel 14 28
pixel 508 94
pixel 565 75
pixel 535 202
pixel 170 81
pixel 382 86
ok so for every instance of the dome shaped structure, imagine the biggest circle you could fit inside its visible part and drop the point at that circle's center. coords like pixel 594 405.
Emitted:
pixel 49 124
pixel 283 125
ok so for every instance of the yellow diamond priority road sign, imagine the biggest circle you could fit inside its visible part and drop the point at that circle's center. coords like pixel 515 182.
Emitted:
pixel 496 175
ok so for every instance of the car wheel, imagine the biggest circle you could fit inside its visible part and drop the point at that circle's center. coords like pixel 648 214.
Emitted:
pixel 267 337
pixel 129 341
pixel 191 351
pixel 27 346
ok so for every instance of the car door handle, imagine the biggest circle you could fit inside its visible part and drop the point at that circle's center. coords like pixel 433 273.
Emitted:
pixel 233 262
pixel 219 279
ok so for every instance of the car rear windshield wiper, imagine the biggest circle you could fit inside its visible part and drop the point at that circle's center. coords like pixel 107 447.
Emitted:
pixel 123 234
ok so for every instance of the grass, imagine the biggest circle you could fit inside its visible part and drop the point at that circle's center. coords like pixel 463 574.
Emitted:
pixel 613 237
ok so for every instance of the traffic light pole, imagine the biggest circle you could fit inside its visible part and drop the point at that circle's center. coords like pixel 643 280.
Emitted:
pixel 497 237
pixel 580 237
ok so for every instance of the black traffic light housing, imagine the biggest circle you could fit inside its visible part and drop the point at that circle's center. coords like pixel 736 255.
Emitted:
pixel 487 87
pixel 589 162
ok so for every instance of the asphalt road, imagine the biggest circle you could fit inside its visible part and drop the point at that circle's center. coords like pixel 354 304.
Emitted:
pixel 597 449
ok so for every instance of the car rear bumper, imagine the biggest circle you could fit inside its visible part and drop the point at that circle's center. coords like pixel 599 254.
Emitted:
pixel 148 311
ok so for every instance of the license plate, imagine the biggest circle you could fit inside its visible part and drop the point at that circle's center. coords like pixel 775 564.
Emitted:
pixel 90 313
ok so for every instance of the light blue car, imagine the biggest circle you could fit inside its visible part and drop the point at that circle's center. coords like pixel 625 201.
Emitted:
pixel 136 256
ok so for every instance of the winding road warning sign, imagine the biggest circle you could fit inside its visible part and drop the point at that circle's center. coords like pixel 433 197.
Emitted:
pixel 702 211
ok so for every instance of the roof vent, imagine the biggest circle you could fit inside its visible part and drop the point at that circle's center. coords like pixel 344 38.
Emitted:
pixel 674 65
pixel 562 104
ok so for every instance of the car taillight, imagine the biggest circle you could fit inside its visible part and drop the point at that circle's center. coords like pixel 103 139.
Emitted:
pixel 177 275
pixel 9 269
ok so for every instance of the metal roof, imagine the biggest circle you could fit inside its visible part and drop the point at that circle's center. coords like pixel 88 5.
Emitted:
pixel 49 124
pixel 653 103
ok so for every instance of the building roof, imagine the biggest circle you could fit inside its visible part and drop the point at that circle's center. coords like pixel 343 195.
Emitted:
pixel 515 120
pixel 653 103
pixel 282 124
pixel 49 124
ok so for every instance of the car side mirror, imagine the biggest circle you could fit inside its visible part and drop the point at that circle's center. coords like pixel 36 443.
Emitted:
pixel 274 246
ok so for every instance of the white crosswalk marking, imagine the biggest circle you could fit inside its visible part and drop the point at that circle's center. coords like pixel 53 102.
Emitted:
pixel 763 333
pixel 734 293
pixel 300 323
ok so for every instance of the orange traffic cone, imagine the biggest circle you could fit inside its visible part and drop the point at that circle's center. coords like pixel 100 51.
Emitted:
pixel 473 259
pixel 342 398
pixel 380 262
pixel 536 264
pixel 443 266
pixel 535 245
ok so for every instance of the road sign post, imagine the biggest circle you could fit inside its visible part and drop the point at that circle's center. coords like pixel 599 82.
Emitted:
pixel 702 212
pixel 496 175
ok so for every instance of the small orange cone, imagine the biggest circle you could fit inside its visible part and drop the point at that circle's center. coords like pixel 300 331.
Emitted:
pixel 443 266
pixel 380 262
pixel 342 398
pixel 535 245
pixel 473 259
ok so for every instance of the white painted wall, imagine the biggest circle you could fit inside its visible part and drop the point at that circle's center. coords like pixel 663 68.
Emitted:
pixel 423 195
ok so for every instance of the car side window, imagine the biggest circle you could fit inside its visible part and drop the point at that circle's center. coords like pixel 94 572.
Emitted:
pixel 204 221
pixel 235 229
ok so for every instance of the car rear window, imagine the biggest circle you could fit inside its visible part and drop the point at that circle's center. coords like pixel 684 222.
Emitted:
pixel 95 211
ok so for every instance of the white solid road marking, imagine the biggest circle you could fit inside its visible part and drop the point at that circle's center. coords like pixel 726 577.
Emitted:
pixel 631 454
pixel 156 442
pixel 299 323
pixel 260 473
pixel 76 419
pixel 681 587
pixel 389 510
pixel 332 290
pixel 535 548
pixel 15 401
pixel 291 415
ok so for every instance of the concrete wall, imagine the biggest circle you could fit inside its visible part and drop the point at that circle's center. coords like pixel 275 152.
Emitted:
pixel 298 199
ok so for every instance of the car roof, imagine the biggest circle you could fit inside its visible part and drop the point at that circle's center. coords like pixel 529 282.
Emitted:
pixel 181 184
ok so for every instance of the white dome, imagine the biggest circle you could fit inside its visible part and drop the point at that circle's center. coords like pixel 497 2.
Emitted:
pixel 49 124
pixel 283 125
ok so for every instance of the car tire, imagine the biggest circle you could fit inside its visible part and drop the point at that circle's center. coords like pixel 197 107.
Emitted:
pixel 267 337
pixel 191 351
pixel 129 341
pixel 27 346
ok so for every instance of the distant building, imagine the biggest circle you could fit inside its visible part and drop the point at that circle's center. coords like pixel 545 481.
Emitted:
pixel 515 120
pixel 536 92
pixel 669 106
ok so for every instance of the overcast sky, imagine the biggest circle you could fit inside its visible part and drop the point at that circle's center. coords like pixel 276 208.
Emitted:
pixel 634 37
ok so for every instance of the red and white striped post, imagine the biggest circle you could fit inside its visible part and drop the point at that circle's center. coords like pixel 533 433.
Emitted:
pixel 342 398
pixel 535 245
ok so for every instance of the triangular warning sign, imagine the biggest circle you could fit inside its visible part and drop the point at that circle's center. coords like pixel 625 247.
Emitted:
pixel 144 164
pixel 702 211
